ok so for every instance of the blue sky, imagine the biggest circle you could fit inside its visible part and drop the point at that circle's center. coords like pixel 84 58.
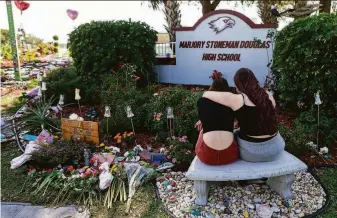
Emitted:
pixel 47 18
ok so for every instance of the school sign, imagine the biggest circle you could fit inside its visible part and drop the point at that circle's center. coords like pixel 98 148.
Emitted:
pixel 222 40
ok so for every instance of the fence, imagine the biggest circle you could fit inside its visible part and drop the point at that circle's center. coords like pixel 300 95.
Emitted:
pixel 165 49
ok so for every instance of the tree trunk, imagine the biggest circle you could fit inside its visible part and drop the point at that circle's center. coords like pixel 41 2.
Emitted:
pixel 207 6
pixel 326 6
pixel 264 10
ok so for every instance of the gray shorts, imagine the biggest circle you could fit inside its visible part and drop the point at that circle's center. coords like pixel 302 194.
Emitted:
pixel 261 151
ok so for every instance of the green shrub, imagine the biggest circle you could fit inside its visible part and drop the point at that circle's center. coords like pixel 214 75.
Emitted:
pixel 101 46
pixel 64 81
pixel 305 60
pixel 184 104
pixel 119 91
pixel 180 150
pixel 327 126
pixel 296 139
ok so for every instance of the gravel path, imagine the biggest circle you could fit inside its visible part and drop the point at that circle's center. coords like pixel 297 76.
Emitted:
pixel 228 199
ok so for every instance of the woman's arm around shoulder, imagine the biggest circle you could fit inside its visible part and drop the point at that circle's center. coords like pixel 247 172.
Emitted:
pixel 234 101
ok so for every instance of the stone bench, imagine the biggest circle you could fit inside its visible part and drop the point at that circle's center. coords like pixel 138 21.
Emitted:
pixel 280 174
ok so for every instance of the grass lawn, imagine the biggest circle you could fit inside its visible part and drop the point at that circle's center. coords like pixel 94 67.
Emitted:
pixel 144 203
pixel 329 178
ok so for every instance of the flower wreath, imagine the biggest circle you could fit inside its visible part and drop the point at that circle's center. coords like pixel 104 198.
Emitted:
pixel 216 75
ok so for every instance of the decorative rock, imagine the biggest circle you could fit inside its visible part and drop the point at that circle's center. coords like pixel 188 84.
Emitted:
pixel 227 211
pixel 172 183
pixel 196 213
pixel 275 209
pixel 166 183
pixel 172 199
pixel 250 206
pixel 297 211
pixel 257 200
pixel 301 215
pixel 263 211
pixel 218 206
pixel 169 187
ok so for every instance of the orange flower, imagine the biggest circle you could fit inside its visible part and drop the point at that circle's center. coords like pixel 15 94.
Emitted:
pixel 119 141
pixel 116 136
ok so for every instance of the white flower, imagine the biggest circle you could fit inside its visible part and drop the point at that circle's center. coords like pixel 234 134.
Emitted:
pixel 73 116
pixel 311 145
pixel 323 150
pixel 155 94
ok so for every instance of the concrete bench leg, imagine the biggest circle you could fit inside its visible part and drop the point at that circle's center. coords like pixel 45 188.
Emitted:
pixel 282 185
pixel 201 189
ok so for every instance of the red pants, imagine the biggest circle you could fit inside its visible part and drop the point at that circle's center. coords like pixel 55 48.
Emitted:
pixel 210 156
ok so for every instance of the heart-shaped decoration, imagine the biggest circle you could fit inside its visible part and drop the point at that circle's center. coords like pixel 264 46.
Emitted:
pixel 72 14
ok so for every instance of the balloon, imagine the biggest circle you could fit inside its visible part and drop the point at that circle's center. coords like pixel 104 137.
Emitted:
pixel 72 14
pixel 21 5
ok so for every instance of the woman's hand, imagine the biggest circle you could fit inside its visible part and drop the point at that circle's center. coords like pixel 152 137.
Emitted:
pixel 198 125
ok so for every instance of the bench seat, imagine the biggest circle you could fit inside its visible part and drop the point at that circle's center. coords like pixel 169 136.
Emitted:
pixel 280 173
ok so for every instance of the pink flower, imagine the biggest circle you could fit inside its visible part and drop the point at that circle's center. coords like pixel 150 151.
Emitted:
pixel 169 157
pixel 137 78
pixel 70 168
pixel 83 175
pixel 174 160
pixel 94 172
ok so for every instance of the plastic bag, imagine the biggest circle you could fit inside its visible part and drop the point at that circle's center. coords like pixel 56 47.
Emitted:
pixel 31 148
pixel 105 179
pixel 136 174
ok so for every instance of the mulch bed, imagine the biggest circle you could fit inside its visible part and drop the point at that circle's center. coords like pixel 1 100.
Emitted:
pixel 313 159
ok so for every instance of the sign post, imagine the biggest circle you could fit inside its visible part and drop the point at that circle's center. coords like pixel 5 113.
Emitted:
pixel 13 41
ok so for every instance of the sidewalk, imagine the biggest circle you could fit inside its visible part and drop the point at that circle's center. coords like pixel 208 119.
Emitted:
pixel 25 210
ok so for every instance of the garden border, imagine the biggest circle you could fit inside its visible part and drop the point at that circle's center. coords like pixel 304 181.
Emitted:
pixel 310 170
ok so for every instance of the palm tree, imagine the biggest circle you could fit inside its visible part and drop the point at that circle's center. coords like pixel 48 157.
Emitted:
pixel 264 11
pixel 172 15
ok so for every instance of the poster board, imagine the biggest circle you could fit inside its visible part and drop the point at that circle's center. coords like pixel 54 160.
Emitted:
pixel 86 129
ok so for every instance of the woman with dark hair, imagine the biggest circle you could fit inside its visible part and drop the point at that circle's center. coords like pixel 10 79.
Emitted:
pixel 216 144
pixel 254 108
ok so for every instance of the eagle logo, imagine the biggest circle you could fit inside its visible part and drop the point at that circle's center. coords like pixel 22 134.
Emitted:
pixel 221 24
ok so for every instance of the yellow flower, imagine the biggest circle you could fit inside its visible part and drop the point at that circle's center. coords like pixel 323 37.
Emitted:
pixel 56 137
pixel 106 148
pixel 86 167
pixel 102 144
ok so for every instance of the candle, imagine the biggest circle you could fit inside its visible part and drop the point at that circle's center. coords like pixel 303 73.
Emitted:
pixel 77 94
pixel 107 112
pixel 61 101
pixel 44 86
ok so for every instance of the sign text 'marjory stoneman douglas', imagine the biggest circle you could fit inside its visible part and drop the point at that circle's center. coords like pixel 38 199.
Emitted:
pixel 223 44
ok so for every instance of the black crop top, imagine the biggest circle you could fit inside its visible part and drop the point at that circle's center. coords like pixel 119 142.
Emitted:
pixel 249 121
pixel 215 116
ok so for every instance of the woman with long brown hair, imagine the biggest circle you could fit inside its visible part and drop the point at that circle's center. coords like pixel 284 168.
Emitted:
pixel 258 137
pixel 216 144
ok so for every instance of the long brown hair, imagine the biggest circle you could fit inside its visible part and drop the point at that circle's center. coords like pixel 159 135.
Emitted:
pixel 246 82
pixel 219 84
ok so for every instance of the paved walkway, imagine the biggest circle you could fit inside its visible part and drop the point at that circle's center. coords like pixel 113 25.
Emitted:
pixel 24 210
